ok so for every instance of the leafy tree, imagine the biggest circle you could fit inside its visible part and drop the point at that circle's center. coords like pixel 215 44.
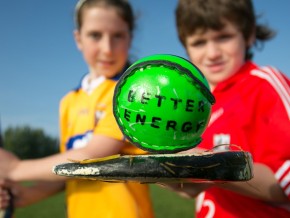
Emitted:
pixel 28 143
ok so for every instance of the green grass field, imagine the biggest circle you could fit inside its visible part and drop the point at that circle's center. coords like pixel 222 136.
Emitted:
pixel 166 204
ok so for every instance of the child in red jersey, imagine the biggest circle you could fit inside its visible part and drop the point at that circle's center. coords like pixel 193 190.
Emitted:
pixel 104 30
pixel 252 108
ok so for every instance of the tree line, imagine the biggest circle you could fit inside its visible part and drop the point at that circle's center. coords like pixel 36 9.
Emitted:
pixel 28 143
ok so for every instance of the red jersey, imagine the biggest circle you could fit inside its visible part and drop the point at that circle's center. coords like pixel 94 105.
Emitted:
pixel 252 111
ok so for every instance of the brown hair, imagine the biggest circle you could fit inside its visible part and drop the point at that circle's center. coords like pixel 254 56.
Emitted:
pixel 209 14
pixel 123 8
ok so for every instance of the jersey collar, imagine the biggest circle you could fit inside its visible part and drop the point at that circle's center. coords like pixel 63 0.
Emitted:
pixel 245 69
pixel 115 78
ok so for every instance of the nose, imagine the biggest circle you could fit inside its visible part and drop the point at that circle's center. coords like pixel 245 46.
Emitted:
pixel 213 50
pixel 107 45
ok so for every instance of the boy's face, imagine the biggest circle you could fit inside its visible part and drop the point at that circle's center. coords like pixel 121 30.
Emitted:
pixel 218 54
pixel 104 39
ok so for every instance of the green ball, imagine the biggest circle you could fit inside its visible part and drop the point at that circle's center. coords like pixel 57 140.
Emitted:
pixel 162 103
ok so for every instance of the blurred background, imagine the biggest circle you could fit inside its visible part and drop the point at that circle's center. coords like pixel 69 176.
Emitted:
pixel 39 64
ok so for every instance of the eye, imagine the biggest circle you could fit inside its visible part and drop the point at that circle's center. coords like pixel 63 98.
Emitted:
pixel 95 35
pixel 225 37
pixel 198 43
pixel 120 35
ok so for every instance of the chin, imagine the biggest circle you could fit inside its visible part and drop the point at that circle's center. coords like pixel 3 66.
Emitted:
pixel 216 79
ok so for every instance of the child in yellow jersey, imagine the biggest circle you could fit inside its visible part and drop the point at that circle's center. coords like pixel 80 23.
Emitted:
pixel 88 129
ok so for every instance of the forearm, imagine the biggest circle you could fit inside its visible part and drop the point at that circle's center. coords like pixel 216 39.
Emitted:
pixel 38 169
pixel 263 186
pixel 41 169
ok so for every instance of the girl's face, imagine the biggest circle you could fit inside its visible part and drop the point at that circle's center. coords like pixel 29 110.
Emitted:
pixel 104 39
pixel 218 54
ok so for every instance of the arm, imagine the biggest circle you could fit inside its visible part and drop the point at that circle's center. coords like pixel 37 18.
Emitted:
pixel 41 169
pixel 263 186
pixel 26 195
pixel 100 145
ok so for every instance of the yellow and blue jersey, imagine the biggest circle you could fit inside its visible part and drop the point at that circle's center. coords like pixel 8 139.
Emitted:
pixel 84 112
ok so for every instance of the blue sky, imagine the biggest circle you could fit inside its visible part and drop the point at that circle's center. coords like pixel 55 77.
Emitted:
pixel 39 62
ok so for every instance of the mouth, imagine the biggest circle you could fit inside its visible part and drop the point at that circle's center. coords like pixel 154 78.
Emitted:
pixel 106 63
pixel 216 67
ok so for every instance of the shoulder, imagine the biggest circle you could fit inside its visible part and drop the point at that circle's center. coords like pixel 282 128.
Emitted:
pixel 69 96
pixel 68 99
pixel 271 76
pixel 271 85
pixel 271 80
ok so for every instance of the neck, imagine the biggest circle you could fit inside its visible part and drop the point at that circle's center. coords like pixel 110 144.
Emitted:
pixel 93 75
pixel 212 86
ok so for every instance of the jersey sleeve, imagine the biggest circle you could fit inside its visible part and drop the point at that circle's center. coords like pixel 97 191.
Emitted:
pixel 63 108
pixel 271 127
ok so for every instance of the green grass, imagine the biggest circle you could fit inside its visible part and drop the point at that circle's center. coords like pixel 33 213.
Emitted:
pixel 167 204
pixel 53 207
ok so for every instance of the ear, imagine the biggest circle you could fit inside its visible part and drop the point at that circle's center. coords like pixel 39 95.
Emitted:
pixel 77 38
